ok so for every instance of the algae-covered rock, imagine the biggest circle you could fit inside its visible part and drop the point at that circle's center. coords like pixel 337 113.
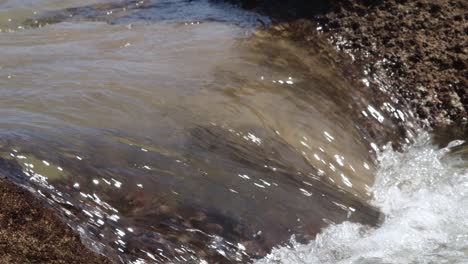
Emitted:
pixel 31 233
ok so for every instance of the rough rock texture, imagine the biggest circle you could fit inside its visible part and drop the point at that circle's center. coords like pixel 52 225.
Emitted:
pixel 30 233
pixel 423 44
pixel 417 49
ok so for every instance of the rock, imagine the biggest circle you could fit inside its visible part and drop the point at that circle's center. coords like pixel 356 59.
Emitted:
pixel 31 233
pixel 419 43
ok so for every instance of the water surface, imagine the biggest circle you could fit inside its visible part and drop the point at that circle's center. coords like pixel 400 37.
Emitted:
pixel 181 131
pixel 422 192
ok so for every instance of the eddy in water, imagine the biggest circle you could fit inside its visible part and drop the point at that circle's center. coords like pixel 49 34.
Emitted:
pixel 177 131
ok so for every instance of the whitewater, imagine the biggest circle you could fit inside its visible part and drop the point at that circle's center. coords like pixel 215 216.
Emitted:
pixel 423 195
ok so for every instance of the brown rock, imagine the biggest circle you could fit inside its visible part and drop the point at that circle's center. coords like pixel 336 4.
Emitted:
pixel 31 233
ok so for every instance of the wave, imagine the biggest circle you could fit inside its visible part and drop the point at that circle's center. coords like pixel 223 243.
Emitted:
pixel 423 194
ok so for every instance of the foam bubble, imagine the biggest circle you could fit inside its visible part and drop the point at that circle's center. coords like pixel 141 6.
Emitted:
pixel 423 193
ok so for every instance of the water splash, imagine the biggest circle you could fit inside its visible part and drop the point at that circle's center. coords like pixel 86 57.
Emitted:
pixel 423 194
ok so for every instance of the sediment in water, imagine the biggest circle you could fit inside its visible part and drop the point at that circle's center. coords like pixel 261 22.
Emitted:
pixel 428 72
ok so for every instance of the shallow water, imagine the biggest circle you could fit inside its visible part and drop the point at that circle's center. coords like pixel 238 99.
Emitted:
pixel 181 131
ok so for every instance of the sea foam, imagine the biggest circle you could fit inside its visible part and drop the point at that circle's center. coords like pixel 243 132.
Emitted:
pixel 423 192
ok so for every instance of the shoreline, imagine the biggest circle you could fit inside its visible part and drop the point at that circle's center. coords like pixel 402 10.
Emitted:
pixel 423 44
pixel 32 233
pixel 416 50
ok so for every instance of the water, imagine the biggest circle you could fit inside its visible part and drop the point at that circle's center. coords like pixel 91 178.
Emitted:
pixel 422 193
pixel 183 131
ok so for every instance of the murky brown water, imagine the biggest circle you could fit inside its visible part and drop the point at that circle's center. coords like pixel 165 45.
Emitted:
pixel 176 130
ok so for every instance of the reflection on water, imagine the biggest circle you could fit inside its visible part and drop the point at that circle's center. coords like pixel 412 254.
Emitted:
pixel 172 132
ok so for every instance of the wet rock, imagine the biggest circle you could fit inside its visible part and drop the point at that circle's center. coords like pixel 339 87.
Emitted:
pixel 214 228
pixel 426 43
pixel 30 233
pixel 281 9
pixel 410 44
pixel 147 11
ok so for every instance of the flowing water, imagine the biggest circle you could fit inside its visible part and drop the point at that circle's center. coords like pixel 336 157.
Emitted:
pixel 181 131
pixel 423 194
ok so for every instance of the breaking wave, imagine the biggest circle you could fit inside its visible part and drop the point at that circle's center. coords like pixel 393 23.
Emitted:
pixel 423 193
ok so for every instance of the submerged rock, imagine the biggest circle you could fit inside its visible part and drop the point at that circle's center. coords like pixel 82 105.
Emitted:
pixel 375 39
pixel 148 11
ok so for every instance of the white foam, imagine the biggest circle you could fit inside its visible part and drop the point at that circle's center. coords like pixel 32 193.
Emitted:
pixel 424 195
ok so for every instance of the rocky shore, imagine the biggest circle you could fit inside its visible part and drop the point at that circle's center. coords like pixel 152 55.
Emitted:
pixel 31 233
pixel 416 50
pixel 421 46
